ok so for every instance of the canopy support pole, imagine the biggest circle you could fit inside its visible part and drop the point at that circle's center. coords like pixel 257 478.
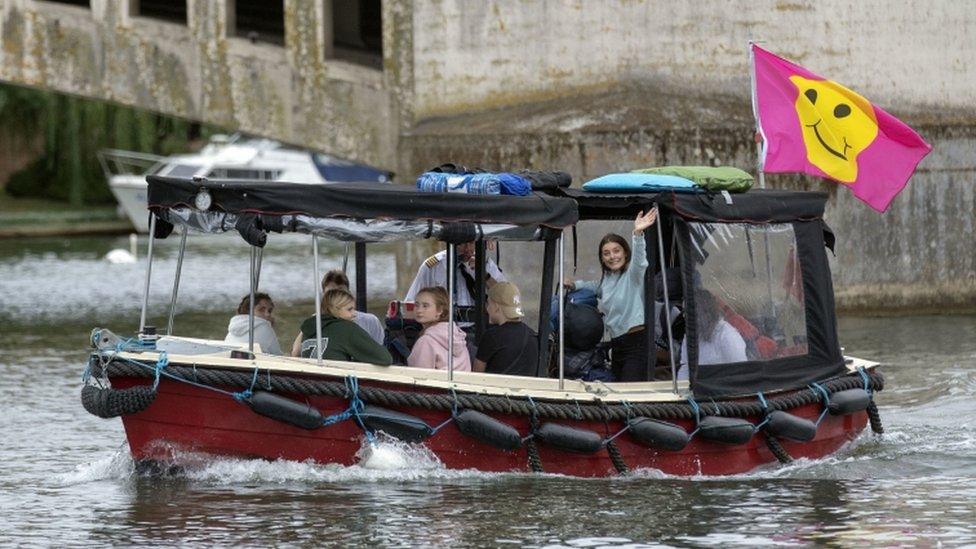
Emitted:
pixel 545 297
pixel 562 291
pixel 360 276
pixel 667 300
pixel 479 298
pixel 451 262
pixel 650 299
pixel 149 256
pixel 257 280
pixel 176 283
pixel 317 281
pixel 250 311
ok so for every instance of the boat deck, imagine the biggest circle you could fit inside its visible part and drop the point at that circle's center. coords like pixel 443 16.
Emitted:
pixel 216 354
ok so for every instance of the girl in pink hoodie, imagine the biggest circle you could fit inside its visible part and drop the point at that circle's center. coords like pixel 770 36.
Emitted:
pixel 430 350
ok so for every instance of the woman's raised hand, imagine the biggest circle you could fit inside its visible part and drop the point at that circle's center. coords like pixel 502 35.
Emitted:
pixel 644 220
pixel 569 284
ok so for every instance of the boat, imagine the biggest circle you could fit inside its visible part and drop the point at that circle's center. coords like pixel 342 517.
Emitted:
pixel 794 396
pixel 225 157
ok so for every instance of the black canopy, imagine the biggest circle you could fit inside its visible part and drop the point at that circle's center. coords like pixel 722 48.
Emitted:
pixel 369 201
pixel 695 217
pixel 755 206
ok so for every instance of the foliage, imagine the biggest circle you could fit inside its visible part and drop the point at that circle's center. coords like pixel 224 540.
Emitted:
pixel 73 131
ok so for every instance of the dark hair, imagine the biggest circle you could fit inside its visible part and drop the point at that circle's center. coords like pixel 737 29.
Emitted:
pixel 336 277
pixel 440 299
pixel 707 312
pixel 245 307
pixel 617 239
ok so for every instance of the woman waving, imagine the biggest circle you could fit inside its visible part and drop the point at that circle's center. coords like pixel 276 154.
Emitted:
pixel 621 293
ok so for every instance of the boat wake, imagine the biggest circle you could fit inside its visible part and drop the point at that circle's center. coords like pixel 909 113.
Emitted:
pixel 383 460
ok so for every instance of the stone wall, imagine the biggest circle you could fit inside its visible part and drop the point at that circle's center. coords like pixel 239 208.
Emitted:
pixel 477 55
pixel 202 72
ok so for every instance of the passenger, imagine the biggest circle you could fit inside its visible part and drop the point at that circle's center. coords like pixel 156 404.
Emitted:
pixel 430 350
pixel 342 339
pixel 433 273
pixel 264 321
pixel 336 279
pixel 621 293
pixel 718 341
pixel 508 346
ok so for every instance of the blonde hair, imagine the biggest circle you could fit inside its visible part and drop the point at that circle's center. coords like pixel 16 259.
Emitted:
pixel 336 299
pixel 439 295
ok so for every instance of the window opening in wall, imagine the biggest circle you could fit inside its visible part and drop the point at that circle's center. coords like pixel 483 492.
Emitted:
pixel 260 20
pixel 357 32
pixel 83 3
pixel 173 11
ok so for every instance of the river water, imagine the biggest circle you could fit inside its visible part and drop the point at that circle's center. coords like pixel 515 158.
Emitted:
pixel 66 478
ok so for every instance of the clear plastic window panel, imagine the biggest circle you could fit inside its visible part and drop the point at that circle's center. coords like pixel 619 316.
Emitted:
pixel 748 292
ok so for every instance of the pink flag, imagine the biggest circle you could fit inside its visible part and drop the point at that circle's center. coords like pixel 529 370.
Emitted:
pixel 816 126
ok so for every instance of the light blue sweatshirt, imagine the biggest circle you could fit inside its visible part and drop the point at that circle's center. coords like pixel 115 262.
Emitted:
pixel 622 295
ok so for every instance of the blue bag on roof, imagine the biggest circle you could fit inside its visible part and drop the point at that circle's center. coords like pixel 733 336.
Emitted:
pixel 474 183
pixel 640 182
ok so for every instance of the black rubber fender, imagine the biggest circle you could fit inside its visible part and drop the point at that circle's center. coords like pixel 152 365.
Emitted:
pixel 727 430
pixel 847 402
pixel 285 410
pixel 570 439
pixel 791 427
pixel 108 403
pixel 487 429
pixel 399 425
pixel 658 434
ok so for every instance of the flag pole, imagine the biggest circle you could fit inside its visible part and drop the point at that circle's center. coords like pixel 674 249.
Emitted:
pixel 761 143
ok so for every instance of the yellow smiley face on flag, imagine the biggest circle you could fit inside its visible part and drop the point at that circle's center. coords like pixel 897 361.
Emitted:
pixel 837 124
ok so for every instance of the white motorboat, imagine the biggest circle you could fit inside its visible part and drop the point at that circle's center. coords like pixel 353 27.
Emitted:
pixel 225 157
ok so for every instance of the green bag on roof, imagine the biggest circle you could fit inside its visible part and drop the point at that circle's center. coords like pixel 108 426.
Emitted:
pixel 721 178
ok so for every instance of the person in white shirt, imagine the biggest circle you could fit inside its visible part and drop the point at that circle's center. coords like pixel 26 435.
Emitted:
pixel 337 280
pixel 264 332
pixel 718 341
pixel 433 273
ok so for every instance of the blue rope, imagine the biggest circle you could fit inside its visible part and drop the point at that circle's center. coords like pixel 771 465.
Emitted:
pixel 617 434
pixel 825 396
pixel 176 377
pixel 627 408
pixel 246 393
pixel 454 407
pixel 534 416
pixel 697 409
pixel 762 400
pixel 864 377
pixel 765 405
pixel 161 362
pixel 336 418
pixel 86 375
pixel 356 407
pixel 433 431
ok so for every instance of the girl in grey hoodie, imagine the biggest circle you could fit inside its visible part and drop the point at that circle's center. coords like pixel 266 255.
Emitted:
pixel 264 333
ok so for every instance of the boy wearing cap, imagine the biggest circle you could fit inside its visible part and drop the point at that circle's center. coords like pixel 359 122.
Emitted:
pixel 508 346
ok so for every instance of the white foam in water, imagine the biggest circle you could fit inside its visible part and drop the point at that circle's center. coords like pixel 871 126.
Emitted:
pixel 116 466
pixel 386 459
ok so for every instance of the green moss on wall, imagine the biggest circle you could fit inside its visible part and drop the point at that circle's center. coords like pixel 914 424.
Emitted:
pixel 73 131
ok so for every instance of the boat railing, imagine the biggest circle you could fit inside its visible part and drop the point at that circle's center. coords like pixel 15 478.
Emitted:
pixel 120 162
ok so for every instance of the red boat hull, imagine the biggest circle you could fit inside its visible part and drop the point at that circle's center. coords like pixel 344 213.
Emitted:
pixel 199 420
